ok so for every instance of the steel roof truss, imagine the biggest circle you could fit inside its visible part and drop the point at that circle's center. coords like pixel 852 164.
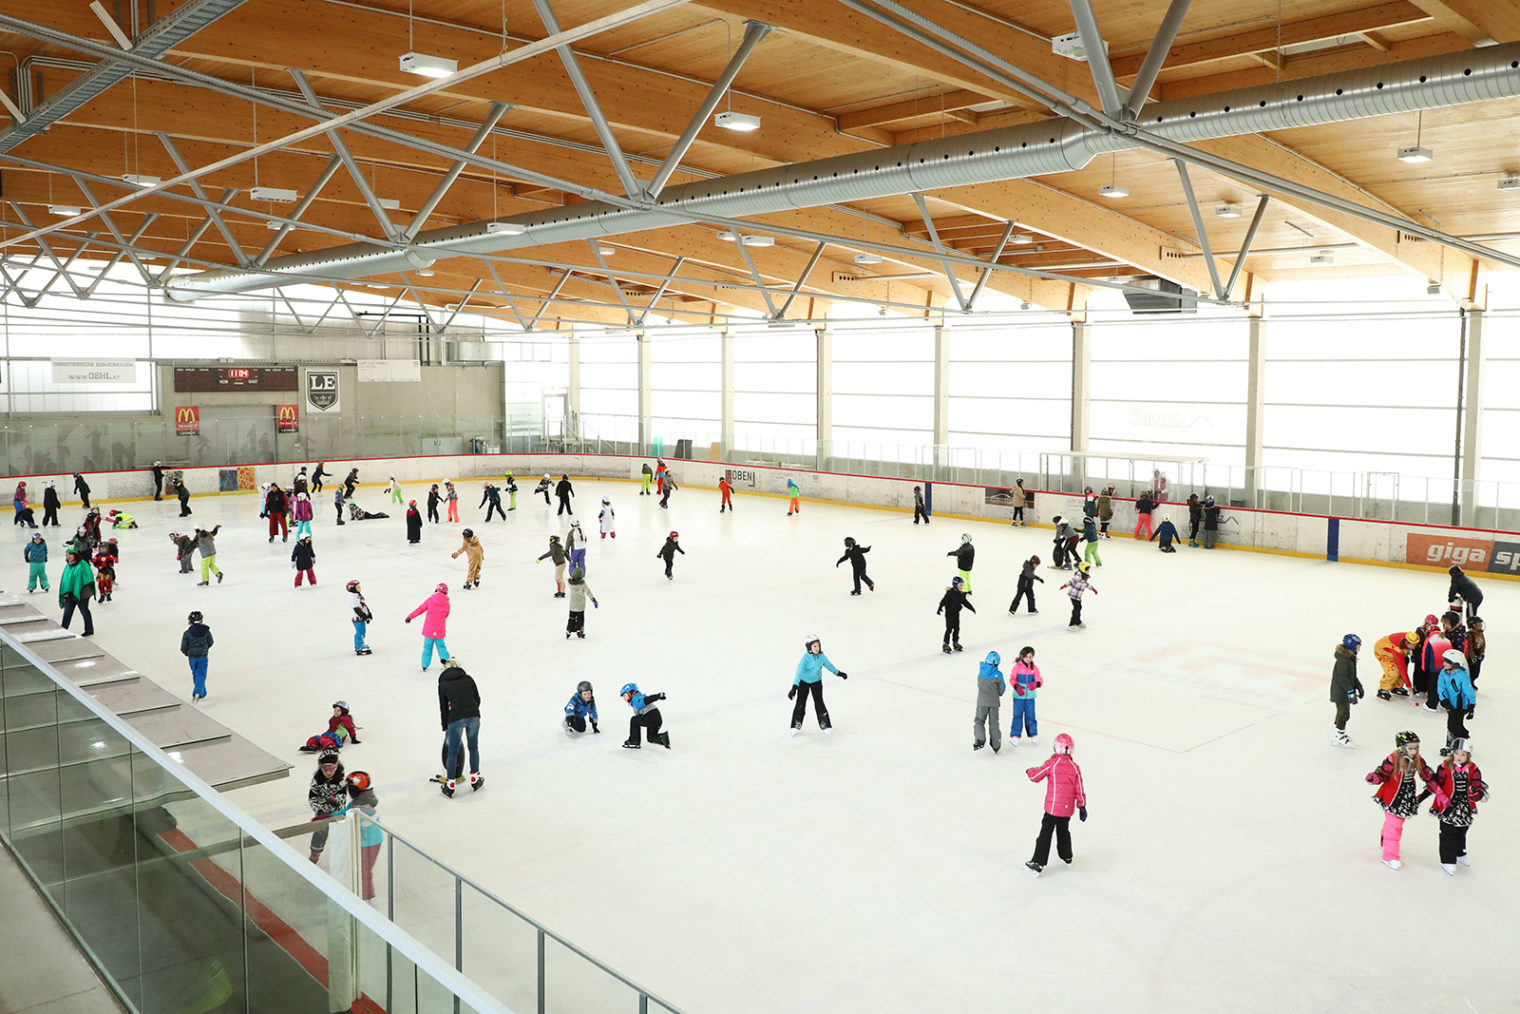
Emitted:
pixel 288 226
pixel 596 250
pixel 43 246
pixel 493 115
pixel 801 280
pixel 1155 57
pixel 955 283
pixel 1203 236
pixel 199 191
pixel 997 254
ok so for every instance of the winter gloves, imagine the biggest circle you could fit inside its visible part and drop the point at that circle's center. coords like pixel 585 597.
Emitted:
pixel 792 693
pixel 1082 813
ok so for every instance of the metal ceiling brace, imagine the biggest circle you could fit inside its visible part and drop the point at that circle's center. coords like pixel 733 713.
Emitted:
pixel 42 245
pixel 184 251
pixel 981 280
pixel 493 114
pixel 549 299
pixel 458 306
pixel 1203 236
pixel 588 100
pixel 754 31
pixel 1097 56
pixel 955 283
pixel 286 227
pixel 1155 58
pixel 120 253
pixel 387 228
pixel 502 289
pixel 801 280
pixel 385 314
pixel 765 293
pixel 280 291
pixel 660 292
pixel 417 298
pixel 1245 247
pixel 105 219
pixel 211 212
pixel 14 284
pixel 596 249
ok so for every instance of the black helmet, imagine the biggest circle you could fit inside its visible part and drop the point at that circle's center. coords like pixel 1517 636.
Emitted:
pixel 468 533
pixel 195 617
pixel 584 686
pixel 849 541
pixel 1403 739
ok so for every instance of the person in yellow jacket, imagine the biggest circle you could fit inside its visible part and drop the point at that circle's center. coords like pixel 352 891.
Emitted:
pixel 475 554
pixel 1392 653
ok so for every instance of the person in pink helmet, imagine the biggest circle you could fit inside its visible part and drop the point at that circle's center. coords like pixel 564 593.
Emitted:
pixel 434 624
pixel 1063 794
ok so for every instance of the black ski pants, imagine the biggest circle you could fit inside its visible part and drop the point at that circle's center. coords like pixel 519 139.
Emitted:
pixel 1026 587
pixel 799 710
pixel 1061 828
pixel 650 722
pixel 952 627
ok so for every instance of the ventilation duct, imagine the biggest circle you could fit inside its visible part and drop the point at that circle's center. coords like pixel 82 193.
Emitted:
pixel 1050 146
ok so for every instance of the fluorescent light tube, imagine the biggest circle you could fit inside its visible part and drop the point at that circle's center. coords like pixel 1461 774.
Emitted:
pixel 428 66
pixel 279 195
pixel 505 228
pixel 730 120
pixel 141 179
pixel 65 210
pixel 1113 190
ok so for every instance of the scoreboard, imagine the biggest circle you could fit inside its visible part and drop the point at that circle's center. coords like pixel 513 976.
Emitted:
pixel 236 378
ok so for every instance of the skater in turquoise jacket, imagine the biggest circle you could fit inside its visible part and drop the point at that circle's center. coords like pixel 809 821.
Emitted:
pixel 809 680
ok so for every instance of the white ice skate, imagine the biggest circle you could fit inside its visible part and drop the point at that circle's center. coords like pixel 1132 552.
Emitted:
pixel 1463 861
pixel 1034 741
pixel 1339 738
pixel 1450 869
pixel 1392 864
pixel 796 730
pixel 829 732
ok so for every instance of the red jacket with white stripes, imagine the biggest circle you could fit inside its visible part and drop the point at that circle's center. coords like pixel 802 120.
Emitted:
pixel 1063 784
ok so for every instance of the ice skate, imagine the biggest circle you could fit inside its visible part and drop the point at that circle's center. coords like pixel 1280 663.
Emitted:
pixel 1392 864
pixel 957 646
pixel 202 584
pixel 1384 695
pixel 1463 861
pixel 567 635
pixel 829 732
pixel 945 648
pixel 1339 738
pixel 977 746
pixel 1034 612
pixel 665 740
pixel 218 577
pixel 581 634
pixel 855 593
pixel 1034 741
pixel 1034 868
pixel 796 730
pixel 447 789
pixel 477 782
pixel 1450 869
pixel 1401 691
pixel 629 744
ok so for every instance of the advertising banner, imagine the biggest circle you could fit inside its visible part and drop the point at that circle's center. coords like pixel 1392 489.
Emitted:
pixel 187 420
pixel 287 418
pixel 1444 550
pixel 389 371
pixel 94 371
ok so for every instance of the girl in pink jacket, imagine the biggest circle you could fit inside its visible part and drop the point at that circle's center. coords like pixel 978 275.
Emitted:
pixel 1063 794
pixel 436 606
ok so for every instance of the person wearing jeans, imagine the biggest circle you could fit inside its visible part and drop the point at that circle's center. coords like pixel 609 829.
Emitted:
pixel 194 643
pixel 459 714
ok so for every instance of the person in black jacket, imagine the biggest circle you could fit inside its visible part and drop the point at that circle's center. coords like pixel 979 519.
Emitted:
pixel 856 554
pixel 316 478
pixel 50 505
pixel 83 489
pixel 183 493
pixel 1462 587
pixel 1027 578
pixel 304 558
pixel 564 491
pixel 413 523
pixel 493 498
pixel 918 505
pixel 965 555
pixel 158 480
pixel 276 508
pixel 1144 505
pixel 951 604
pixel 350 482
pixel 668 553
pixel 1195 518
pixel 459 714
pixel 1210 522
pixel 434 497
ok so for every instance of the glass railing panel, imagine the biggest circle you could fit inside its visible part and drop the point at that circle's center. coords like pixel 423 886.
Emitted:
pixel 500 949
pixel 424 904
pixel 292 931
pixel 575 985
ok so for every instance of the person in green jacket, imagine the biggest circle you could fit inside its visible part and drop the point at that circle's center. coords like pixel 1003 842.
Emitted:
pixel 76 586
pixel 35 554
pixel 1345 687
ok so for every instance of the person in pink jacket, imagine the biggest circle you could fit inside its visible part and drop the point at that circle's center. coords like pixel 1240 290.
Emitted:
pixel 434 625
pixel 1063 794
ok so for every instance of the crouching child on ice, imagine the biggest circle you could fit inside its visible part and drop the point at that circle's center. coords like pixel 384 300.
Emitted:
pixel 581 710
pixel 645 716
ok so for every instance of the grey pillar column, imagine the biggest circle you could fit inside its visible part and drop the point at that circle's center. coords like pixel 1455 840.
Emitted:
pixel 646 428
pixel 1256 361
pixel 1081 391
pixel 1472 417
pixel 941 400
pixel 825 360
pixel 573 391
pixel 726 392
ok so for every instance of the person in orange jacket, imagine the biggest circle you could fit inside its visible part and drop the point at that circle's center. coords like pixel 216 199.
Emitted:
pixel 1392 653
pixel 727 489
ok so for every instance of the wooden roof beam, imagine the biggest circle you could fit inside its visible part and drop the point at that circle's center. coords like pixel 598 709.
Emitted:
pixel 907 109
pixel 1478 21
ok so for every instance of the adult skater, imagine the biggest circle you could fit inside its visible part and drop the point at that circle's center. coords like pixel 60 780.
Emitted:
pixel 1074 587
pixel 158 480
pixel 1168 534
pixel 1020 500
pixel 413 523
pixel 809 680
pixel 491 501
pixel 195 644
pixel 1463 589
pixel 667 487
pixel 646 476
pixel 579 592
pixel 434 626
pixel 950 605
pixel 50 505
pixel 1210 522
pixel 350 483
pixel 1064 542
pixel 451 498
pixel 360 615
pixel 965 556
pixel 564 491
pixel 459 713
pixel 206 542
pixel 990 686
pixel 1144 505
pixel 317 477
pixel 557 554
pixel 1027 578
pixel 725 495
pixel 302 512
pixel 1345 687
pixel 276 506
pixel 856 554
pixel 607 519
pixel 544 485
pixel 433 499
pixel 182 493
pixel 304 558
pixel 575 545
pixel 35 554
pixel 76 586
pixel 646 717
pixel 918 505
pixel 1456 696
pixel 1064 793
pixel 668 553
pixel 1392 653
pixel 474 554
pixel 1459 780
pixel 83 489
pixel 793 492
pixel 393 490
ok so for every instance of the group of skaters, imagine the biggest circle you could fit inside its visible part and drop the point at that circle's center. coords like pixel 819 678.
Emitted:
pixel 1436 666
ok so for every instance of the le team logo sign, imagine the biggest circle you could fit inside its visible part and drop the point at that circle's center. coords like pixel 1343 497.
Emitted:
pixel 287 418
pixel 322 390
pixel 187 420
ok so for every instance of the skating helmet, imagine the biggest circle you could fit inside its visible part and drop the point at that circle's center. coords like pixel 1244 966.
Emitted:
pixel 1056 520
pixel 306 537
pixel 1208 501
pixel 1431 621
pixel 811 640
pixel 918 489
pixel 1403 739
pixel 37 536
pixel 849 541
pixel 965 536
pixel 442 588
pixel 1019 481
pixel 468 533
pixel 393 478
pixel 1166 517
pixel 359 780
pixel 554 538
pixel 1351 642
pixel 1035 560
pixel 956 582
pixel 993 658
pixel 1464 745
pixel 584 686
pixel 606 502
pixel 328 756
pixel 340 704
pixel 1085 567
pixel 411 503
pixel 1454 570
pixel 1064 744
pixel 1087 489
pixel 628 688
pixel 1411 640
pixel 546 475
pixel 1455 657
pixel 575 524
pixel 195 617
pixel 675 535
pixel 352 586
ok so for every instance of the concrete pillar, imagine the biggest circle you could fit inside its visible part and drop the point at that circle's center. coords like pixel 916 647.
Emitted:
pixel 1081 392
pixel 825 361
pixel 646 428
pixel 726 391
pixel 1472 415
pixel 1256 361
pixel 941 396
pixel 573 390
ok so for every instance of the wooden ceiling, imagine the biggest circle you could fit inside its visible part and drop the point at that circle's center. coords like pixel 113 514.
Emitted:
pixel 826 81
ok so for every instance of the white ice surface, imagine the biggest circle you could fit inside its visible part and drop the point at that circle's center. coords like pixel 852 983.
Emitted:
pixel 1230 862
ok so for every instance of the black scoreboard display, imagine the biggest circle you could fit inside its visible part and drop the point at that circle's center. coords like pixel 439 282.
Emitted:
pixel 236 378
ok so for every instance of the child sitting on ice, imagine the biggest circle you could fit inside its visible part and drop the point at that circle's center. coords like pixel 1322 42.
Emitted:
pixel 581 710
pixel 340 731
pixel 121 519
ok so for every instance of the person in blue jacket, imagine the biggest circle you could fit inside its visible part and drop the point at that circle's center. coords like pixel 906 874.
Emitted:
pixel 809 680
pixel 645 716
pixel 1167 533
pixel 580 710
pixel 1455 690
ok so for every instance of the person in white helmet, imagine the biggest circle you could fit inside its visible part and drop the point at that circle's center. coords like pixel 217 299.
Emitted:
pixel 544 486
pixel 809 680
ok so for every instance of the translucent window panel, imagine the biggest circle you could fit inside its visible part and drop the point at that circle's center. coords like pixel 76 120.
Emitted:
pixel 1011 379
pixel 1011 344
pixel 609 350
pixel 685 376
pixel 1175 339
pixel 1380 336
pixel 1167 424
pixel 896 445
pixel 775 437
pixel 889 411
pixel 1189 381
pixel 1023 416
pixel 782 408
pixel 1393 430
pixel 609 402
pixel 884 378
pixel 1501 384
pixel 609 427
pixel 609 375
pixel 1370 382
pixel 776 377
pixel 1411 467
pixel 1500 435
pixel 1213 453
pixel 775 345
pixel 915 344
pixel 686 404
pixel 702 347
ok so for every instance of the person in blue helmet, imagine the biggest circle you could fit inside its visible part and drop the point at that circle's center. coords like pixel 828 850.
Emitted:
pixel 645 716
pixel 1210 522
pixel 580 710
pixel 990 687
pixel 809 680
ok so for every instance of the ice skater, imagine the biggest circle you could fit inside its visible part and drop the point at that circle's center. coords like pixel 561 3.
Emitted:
pixel 1090 535
pixel 809 680
pixel 184 551
pixel 646 476
pixel 1195 519
pixel 35 554
pixel 459 713
pixel 350 483
pixel 1063 794
pixel 182 494
pixel 105 575
pixel 667 487
pixel 989 688
pixel 579 592
pixel 1456 695
pixel 668 553
pixel 158 480
pixel 950 605
pixel 276 507
pixel 1065 543
pixel 434 625
pixel 76 586
pixel 474 555
pixel 393 490
pixel 856 554
pixel 564 491
pixel 918 505
pixel 575 545
pixel 1089 503
pixel 511 491
pixel 580 710
pixel 1144 505
pixel 1027 578
pixel 83 489
pixel 1345 687
pixel 607 519
pixel 1074 587
pixel 1462 589
pixel 340 731
pixel 304 559
pixel 965 556
pixel 1459 780
pixel 326 795
pixel 318 475
pixel 451 498
pixel 1210 522
pixel 1020 501
pixel 1392 653
pixel 361 795
pixel 544 486
pixel 195 644
pixel 1105 511
pixel 205 542
pixel 1397 793
pixel 1477 647
pixel 433 499
pixel 793 492
pixel 19 501
pixel 302 512
pixel 50 505
pixel 646 717
pixel 361 616
pixel 413 523
pixel 556 553
pixel 1168 534
pixel 339 499
pixel 491 501
pixel 726 494
pixel 1027 681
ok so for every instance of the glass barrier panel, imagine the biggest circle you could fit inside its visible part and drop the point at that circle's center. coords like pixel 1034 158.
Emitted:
pixel 500 950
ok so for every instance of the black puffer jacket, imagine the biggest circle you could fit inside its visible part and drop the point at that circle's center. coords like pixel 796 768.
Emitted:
pixel 304 554
pixel 458 697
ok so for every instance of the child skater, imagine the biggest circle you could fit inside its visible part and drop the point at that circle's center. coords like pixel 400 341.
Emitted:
pixel 194 643
pixel 327 795
pixel 304 559
pixel 340 731
pixel 184 547
pixel 989 687
pixel 965 556
pixel 856 554
pixel 1090 534
pixel 918 505
pixel 1065 538
pixel 1345 687
pixel 451 497
pixel 105 575
pixel 474 554
pixel 1063 794
pixel 950 604
pixel 303 514
pixel 1020 501
pixel 1392 653
pixel 580 710
pixel 413 523
pixel 511 491
pixel 544 485
pixel 1455 691
pixel 557 554
pixel 1459 779
pixel 35 554
pixel 645 716
pixel 809 680
pixel 793 492
pixel 668 553
pixel 1105 511
pixel 1477 645
pixel 579 592
pixel 1167 533
pixel 433 499
pixel 1027 578
pixel 1074 588
pixel 575 543
pixel 726 492
pixel 361 615
pixel 1027 682
pixel 608 519
pixel 1397 793
pixel 393 490
pixel 361 794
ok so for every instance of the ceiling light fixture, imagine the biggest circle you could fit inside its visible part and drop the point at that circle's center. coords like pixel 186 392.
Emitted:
pixel 1021 239
pixel 277 195
pixel 274 226
pixel 730 120
pixel 1113 188
pixel 141 179
pixel 1508 182
pixel 426 65
pixel 505 228
pixel 867 259
pixel 1227 211
pixel 390 203
pixel 1415 152
pixel 68 210
pixel 759 240
pixel 425 273
pixel 729 237
pixel 606 251
pixel 1322 257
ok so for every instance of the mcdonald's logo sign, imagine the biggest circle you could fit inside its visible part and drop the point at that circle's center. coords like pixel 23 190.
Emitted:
pixel 287 418
pixel 187 420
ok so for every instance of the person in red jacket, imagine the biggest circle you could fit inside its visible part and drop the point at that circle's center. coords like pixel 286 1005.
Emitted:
pixel 1063 794
pixel 727 489
pixel 1397 793
pixel 1461 781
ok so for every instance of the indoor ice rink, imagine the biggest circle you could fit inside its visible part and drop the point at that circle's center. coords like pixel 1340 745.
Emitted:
pixel 846 252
